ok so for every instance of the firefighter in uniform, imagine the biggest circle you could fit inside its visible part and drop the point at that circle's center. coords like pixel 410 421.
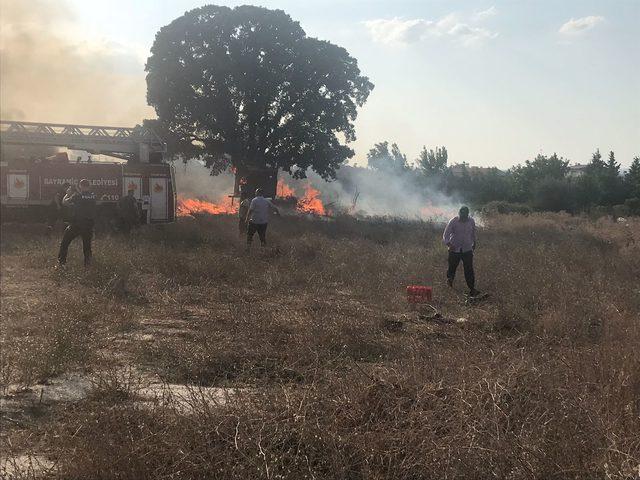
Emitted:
pixel 83 212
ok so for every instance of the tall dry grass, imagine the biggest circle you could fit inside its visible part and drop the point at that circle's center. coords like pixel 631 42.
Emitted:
pixel 338 378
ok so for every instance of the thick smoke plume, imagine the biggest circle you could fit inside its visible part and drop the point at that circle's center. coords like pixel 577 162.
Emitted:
pixel 356 191
pixel 193 180
pixel 49 72
pixel 365 192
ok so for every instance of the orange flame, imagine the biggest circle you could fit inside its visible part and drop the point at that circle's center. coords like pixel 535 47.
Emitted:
pixel 311 202
pixel 189 206
pixel 283 190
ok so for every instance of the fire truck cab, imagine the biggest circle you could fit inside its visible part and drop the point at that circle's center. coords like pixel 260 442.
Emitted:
pixel 28 186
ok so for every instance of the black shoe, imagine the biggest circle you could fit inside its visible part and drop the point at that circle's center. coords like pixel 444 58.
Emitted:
pixel 450 282
pixel 474 293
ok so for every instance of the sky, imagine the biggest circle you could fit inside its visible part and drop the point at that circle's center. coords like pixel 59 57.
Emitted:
pixel 496 82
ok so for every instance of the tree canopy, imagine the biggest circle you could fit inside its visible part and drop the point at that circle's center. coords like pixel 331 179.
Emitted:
pixel 527 176
pixel 596 165
pixel 633 178
pixel 546 183
pixel 380 158
pixel 433 162
pixel 247 86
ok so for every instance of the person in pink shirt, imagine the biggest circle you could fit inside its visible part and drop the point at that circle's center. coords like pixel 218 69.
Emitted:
pixel 460 238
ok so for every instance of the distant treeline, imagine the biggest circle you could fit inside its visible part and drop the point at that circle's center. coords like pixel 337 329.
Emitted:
pixel 546 183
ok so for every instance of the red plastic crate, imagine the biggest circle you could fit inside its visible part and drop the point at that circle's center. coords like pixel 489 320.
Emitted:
pixel 418 294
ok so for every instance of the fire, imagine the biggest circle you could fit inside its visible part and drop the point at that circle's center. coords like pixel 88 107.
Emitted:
pixel 189 206
pixel 311 202
pixel 430 212
pixel 283 190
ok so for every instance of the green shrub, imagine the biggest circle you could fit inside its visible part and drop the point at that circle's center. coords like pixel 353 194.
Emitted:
pixel 633 204
pixel 621 211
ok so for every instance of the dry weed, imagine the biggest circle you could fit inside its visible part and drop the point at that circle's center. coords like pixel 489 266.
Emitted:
pixel 339 379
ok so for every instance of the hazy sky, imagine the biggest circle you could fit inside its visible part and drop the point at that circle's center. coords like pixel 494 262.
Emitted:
pixel 496 82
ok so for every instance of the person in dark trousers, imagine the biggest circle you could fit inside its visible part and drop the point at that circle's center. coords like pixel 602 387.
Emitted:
pixel 258 217
pixel 128 212
pixel 83 212
pixel 243 210
pixel 460 238
pixel 57 211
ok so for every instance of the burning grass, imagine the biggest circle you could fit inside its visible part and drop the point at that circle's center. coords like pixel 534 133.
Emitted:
pixel 541 381
pixel 190 206
pixel 311 202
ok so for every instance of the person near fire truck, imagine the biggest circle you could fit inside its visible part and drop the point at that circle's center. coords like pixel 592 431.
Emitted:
pixel 258 217
pixel 57 211
pixel 128 211
pixel 460 237
pixel 82 203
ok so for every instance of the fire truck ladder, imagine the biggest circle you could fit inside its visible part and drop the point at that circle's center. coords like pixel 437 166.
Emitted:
pixel 126 143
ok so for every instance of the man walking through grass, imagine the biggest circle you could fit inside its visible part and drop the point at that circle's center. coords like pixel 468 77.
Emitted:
pixel 83 212
pixel 258 217
pixel 460 238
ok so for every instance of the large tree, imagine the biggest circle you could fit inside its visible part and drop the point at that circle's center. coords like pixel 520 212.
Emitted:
pixel 247 86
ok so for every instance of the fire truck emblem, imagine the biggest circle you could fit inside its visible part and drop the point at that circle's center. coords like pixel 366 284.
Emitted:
pixel 19 184
pixel 157 188
pixel 132 186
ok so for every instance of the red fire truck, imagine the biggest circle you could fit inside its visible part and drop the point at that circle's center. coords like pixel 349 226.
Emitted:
pixel 28 185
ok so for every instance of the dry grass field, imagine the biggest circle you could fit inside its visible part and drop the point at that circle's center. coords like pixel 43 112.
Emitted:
pixel 178 355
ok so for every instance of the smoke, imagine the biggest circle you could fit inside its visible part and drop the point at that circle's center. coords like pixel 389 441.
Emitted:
pixel 193 180
pixel 366 192
pixel 51 73
pixel 357 191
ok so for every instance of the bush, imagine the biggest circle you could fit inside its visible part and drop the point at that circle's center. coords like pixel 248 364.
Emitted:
pixel 621 211
pixel 633 204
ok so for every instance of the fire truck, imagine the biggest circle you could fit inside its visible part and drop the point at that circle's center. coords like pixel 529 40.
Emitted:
pixel 28 185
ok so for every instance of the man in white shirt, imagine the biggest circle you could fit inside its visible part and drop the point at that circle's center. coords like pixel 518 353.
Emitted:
pixel 460 237
pixel 258 217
